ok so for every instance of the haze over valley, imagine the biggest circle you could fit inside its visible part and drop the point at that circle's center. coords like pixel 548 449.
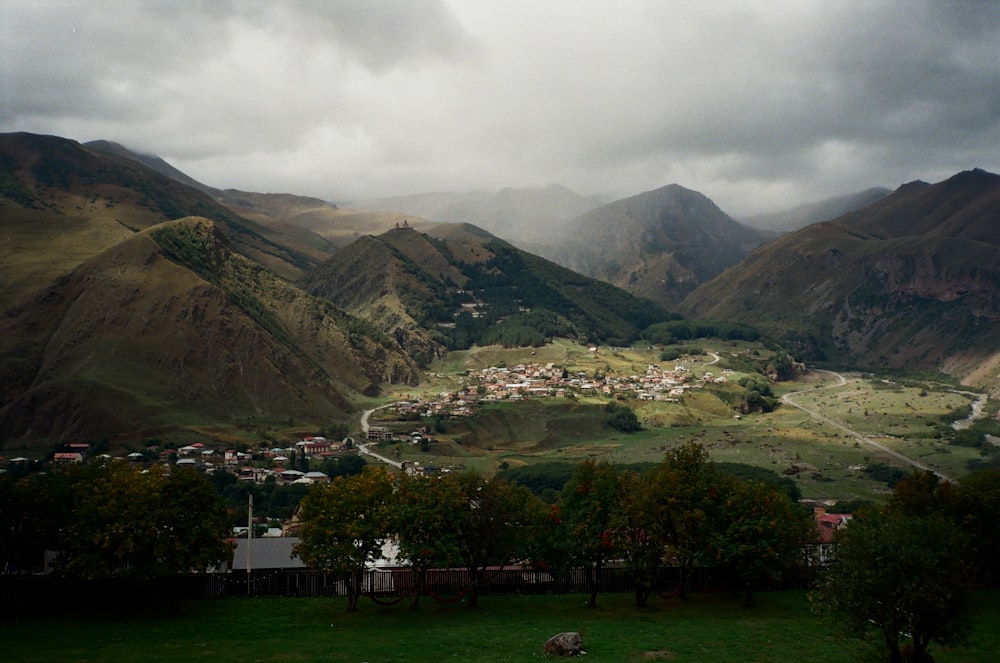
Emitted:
pixel 248 221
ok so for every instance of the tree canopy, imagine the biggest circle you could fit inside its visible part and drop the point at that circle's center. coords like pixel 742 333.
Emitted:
pixel 586 511
pixel 899 575
pixel 344 526
pixel 127 523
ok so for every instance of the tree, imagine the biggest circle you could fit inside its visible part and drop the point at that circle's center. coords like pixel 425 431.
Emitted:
pixel 422 509
pixel 494 525
pixel 34 512
pixel 341 466
pixel 762 531
pixel 639 532
pixel 971 505
pixel 899 574
pixel 586 507
pixel 759 396
pixel 127 523
pixel 688 490
pixel 344 525
pixel 976 509
pixel 622 418
pixel 923 493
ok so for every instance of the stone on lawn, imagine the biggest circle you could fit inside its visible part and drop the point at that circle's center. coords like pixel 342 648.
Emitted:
pixel 564 644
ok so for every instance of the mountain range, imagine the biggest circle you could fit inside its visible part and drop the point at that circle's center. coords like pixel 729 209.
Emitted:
pixel 138 305
pixel 140 302
pixel 911 281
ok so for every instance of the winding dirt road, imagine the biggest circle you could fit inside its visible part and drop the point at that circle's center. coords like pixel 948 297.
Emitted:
pixel 818 416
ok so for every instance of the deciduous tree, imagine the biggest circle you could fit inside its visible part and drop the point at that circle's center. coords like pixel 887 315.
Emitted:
pixel 494 526
pixel 689 493
pixel 898 574
pixel 639 532
pixel 344 526
pixel 422 512
pixel 762 531
pixel 135 524
pixel 976 507
pixel 586 507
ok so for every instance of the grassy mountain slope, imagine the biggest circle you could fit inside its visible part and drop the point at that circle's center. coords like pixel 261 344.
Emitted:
pixel 62 177
pixel 172 330
pixel 466 286
pixel 660 244
pixel 273 212
pixel 912 281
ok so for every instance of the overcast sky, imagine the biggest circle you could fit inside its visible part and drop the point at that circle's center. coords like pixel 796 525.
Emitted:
pixel 757 104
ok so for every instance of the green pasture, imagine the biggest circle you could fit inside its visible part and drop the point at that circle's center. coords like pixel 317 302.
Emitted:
pixel 704 629
pixel 905 415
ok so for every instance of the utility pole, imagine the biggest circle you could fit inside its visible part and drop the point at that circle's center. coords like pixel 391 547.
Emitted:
pixel 249 539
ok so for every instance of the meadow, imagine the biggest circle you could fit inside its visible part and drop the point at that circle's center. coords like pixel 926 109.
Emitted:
pixel 903 414
pixel 706 628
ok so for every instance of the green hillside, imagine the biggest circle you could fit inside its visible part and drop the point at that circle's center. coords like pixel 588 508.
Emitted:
pixel 468 287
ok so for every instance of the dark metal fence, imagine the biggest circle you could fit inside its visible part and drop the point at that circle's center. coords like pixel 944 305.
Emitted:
pixel 21 593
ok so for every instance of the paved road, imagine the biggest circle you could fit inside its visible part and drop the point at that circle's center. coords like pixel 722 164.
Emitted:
pixel 365 448
pixel 841 381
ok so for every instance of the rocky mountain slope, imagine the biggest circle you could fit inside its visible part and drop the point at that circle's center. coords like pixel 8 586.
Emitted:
pixel 912 281
pixel 659 245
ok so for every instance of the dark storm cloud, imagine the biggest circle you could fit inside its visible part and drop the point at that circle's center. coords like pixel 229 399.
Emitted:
pixel 757 104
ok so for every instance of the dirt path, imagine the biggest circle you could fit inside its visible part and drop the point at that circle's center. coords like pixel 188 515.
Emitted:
pixel 818 416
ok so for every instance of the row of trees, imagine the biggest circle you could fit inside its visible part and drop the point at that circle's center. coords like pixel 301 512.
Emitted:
pixel 112 520
pixel 683 512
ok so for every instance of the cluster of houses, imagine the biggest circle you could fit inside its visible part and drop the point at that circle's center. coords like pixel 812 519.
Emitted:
pixel 526 381
pixel 256 466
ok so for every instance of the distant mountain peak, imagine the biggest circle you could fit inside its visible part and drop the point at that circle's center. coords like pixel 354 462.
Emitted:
pixel 974 176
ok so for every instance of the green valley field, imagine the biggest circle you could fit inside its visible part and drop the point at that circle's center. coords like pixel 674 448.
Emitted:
pixel 850 420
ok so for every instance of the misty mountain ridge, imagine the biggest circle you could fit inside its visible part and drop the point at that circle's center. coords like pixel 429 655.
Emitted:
pixel 519 215
pixel 911 281
pixel 659 245
pixel 816 212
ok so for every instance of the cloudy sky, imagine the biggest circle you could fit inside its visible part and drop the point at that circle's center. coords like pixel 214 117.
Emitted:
pixel 758 104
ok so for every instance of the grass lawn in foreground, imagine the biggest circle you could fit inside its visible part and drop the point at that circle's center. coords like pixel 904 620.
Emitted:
pixel 706 628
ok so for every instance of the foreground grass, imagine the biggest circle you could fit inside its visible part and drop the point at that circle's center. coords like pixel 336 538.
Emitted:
pixel 704 629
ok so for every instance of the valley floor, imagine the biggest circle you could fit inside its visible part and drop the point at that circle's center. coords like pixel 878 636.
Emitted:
pixel 829 429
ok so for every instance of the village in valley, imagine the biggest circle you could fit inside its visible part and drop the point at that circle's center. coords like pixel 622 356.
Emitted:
pixel 493 384
pixel 532 380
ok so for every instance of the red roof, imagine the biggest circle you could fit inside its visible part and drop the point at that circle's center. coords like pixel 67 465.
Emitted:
pixel 828 523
